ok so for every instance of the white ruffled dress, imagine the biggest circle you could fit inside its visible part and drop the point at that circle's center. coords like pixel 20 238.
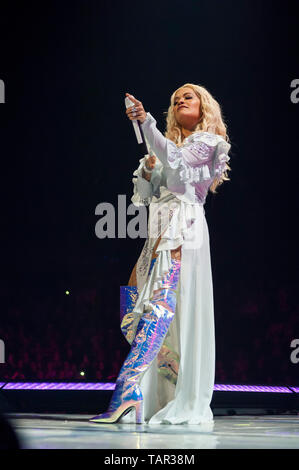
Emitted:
pixel 178 386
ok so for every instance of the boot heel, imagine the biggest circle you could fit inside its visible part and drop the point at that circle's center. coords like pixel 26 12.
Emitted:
pixel 139 412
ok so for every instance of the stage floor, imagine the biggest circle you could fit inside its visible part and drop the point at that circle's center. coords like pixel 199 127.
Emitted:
pixel 59 431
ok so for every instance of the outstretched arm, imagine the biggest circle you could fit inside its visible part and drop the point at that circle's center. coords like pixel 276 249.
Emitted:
pixel 202 158
pixel 196 154
pixel 156 140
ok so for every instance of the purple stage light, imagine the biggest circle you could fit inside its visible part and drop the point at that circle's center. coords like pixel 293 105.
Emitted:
pixel 111 386
pixel 58 386
pixel 250 388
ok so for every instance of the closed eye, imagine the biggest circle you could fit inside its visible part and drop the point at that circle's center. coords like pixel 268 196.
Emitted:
pixel 187 98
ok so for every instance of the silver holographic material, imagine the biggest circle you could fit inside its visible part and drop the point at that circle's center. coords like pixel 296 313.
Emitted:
pixel 151 331
pixel 128 298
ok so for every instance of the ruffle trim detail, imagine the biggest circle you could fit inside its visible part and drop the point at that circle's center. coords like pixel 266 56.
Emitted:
pixel 136 199
pixel 141 202
pixel 206 137
pixel 222 159
pixel 194 175
pixel 155 182
pixel 198 174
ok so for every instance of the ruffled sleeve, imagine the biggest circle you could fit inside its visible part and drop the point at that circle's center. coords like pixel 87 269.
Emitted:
pixel 203 156
pixel 144 190
pixel 221 158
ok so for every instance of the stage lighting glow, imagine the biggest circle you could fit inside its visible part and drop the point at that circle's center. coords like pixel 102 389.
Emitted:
pixel 67 292
pixel 82 372
pixel 111 386
pixel 58 386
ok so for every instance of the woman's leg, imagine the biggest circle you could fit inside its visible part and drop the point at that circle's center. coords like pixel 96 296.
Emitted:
pixel 177 253
pixel 150 334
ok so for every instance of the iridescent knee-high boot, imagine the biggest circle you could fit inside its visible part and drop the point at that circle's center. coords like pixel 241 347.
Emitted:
pixel 150 334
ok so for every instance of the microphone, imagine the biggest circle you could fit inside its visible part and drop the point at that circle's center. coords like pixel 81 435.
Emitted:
pixel 137 128
pixel 135 122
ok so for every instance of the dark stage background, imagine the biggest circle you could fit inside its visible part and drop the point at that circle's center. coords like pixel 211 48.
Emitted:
pixel 66 146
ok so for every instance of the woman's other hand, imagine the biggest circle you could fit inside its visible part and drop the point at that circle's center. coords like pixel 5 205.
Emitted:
pixel 150 165
pixel 151 162
pixel 137 111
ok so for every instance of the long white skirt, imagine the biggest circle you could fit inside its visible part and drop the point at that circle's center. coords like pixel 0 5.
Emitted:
pixel 191 335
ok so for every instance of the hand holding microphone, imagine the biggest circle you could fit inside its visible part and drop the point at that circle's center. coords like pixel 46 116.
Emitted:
pixel 135 111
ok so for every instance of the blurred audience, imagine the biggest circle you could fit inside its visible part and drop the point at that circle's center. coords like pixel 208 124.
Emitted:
pixel 58 335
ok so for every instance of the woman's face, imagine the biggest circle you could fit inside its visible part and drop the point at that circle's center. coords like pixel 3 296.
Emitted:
pixel 186 106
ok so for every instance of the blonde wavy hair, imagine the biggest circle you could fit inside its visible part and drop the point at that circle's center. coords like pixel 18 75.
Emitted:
pixel 211 120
